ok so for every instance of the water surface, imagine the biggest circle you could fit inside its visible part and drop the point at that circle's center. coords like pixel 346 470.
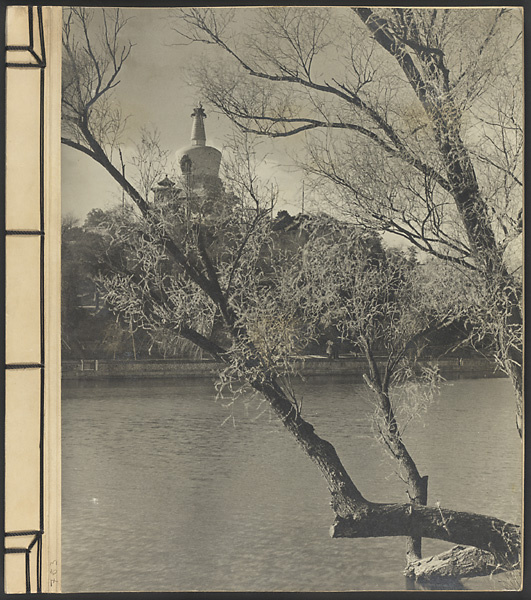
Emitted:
pixel 160 495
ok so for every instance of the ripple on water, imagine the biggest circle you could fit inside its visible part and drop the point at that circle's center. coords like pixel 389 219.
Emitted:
pixel 184 503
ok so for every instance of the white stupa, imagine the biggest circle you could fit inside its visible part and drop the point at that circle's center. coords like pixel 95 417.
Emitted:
pixel 199 161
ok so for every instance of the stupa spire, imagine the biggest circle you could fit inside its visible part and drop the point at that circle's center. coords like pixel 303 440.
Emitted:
pixel 198 126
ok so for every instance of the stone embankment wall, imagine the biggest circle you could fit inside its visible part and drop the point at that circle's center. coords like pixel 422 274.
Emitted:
pixel 105 369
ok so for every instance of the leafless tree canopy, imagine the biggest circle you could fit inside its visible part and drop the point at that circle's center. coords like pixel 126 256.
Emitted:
pixel 400 98
pixel 412 121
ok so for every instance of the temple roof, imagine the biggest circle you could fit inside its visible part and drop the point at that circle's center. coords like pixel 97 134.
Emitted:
pixel 166 182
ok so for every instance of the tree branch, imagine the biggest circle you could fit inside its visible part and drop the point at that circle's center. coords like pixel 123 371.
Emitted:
pixel 500 538
pixel 348 96
pixel 216 351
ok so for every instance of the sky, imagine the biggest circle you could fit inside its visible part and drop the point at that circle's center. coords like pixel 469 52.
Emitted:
pixel 153 92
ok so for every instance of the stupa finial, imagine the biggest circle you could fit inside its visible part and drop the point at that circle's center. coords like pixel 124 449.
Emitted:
pixel 198 126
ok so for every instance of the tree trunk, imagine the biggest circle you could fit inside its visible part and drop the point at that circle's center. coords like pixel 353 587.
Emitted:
pixel 414 544
pixel 500 538
pixel 346 498
pixel 432 88
pixel 506 303
pixel 417 486
pixel 456 563
pixel 509 342
pixel 357 517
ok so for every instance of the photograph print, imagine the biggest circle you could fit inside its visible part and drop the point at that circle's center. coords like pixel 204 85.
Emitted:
pixel 292 299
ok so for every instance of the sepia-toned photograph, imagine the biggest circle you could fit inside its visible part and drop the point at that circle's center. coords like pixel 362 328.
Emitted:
pixel 291 299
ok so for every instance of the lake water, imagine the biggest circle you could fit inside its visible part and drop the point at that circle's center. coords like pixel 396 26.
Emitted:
pixel 160 495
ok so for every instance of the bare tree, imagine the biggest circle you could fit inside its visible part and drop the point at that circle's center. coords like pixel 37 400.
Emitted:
pixel 265 302
pixel 381 302
pixel 92 63
pixel 150 161
pixel 182 272
pixel 412 120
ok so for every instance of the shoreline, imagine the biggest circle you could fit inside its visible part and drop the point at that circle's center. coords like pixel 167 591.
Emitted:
pixel 208 368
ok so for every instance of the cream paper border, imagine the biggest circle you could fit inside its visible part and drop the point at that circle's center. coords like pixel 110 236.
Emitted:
pixel 23 303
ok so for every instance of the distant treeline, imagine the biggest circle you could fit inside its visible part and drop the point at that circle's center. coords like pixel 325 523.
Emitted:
pixel 91 331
